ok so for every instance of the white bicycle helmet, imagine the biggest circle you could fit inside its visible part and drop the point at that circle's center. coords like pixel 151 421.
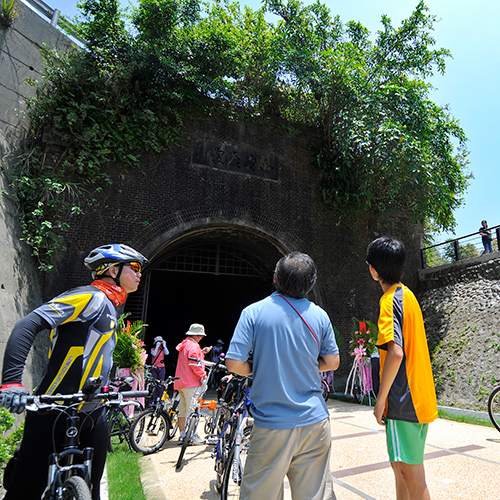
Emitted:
pixel 102 258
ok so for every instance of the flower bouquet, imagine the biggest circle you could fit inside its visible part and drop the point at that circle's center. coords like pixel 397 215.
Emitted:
pixel 362 347
pixel 129 354
pixel 129 351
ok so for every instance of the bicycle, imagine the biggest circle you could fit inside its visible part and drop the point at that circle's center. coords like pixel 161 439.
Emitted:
pixel 155 424
pixel 234 403
pixel 117 415
pixel 194 417
pixel 67 477
pixel 494 408
pixel 238 449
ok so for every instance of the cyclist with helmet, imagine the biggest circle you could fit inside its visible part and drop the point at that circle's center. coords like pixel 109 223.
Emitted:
pixel 82 324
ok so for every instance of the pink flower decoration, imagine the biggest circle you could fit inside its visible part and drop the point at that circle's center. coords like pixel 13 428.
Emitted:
pixel 359 351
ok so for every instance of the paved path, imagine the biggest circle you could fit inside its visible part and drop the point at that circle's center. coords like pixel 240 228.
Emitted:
pixel 462 462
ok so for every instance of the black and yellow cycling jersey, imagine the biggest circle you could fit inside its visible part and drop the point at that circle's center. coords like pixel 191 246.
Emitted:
pixel 83 337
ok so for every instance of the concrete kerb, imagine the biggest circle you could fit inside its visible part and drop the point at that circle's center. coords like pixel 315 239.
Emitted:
pixel 465 413
pixel 150 481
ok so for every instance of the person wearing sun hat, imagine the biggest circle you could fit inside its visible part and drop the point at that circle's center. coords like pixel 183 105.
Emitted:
pixel 190 374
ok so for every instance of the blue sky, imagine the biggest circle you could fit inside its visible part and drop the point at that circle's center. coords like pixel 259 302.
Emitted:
pixel 469 29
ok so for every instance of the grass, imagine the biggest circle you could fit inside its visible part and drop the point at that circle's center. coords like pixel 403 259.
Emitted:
pixel 464 418
pixel 124 473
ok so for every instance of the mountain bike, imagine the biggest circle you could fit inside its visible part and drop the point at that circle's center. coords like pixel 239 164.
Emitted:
pixel 153 426
pixel 494 408
pixel 194 417
pixel 69 475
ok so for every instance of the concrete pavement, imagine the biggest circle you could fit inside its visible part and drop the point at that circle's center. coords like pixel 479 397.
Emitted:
pixel 461 460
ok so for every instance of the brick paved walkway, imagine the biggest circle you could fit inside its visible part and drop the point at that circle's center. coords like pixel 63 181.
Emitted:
pixel 462 462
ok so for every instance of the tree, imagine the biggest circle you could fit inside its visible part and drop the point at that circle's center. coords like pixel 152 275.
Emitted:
pixel 381 143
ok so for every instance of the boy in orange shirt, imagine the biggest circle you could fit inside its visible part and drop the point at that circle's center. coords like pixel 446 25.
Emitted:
pixel 406 401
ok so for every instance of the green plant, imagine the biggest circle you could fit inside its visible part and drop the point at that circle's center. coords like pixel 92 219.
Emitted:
pixel 129 351
pixel 464 418
pixel 8 440
pixel 8 13
pixel 124 475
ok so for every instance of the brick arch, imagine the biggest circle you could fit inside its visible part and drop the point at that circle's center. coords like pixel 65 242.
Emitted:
pixel 153 239
pixel 190 224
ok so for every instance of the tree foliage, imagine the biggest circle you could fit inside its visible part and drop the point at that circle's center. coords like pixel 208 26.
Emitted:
pixel 381 143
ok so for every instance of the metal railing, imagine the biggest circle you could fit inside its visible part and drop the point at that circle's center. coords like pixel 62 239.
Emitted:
pixel 453 250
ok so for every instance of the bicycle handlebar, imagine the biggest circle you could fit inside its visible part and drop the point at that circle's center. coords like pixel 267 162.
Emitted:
pixel 207 363
pixel 79 397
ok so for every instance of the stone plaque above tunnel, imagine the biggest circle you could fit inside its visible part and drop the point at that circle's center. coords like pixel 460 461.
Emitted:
pixel 226 156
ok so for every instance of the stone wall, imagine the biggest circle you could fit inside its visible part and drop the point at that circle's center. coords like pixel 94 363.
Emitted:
pixel 460 306
pixel 20 58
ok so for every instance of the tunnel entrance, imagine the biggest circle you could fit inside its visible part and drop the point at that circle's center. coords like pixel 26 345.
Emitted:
pixel 206 282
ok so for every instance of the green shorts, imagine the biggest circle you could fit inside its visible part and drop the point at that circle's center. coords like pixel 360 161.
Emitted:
pixel 406 441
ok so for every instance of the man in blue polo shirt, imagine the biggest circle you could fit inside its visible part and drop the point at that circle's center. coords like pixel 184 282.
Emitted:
pixel 292 341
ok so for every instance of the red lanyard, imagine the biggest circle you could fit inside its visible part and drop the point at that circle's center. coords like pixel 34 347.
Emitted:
pixel 307 324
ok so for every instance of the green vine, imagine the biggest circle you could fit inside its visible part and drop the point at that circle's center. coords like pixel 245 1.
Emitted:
pixel 381 143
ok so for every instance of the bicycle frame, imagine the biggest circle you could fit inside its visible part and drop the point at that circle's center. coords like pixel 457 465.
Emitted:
pixel 58 473
pixel 243 420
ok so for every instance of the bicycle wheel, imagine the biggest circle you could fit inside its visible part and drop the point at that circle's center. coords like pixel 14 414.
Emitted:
pixel 173 413
pixel 222 452
pixel 210 424
pixel 187 438
pixel 76 488
pixel 494 407
pixel 325 389
pixel 149 431
pixel 119 428
pixel 234 471
pixel 224 416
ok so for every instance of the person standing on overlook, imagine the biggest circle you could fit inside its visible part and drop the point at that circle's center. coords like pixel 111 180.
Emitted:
pixel 83 335
pixel 292 341
pixel 486 237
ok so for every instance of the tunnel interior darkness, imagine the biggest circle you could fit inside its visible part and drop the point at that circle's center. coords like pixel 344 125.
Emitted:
pixel 207 278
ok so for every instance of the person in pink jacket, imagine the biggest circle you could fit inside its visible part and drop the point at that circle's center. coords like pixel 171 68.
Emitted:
pixel 190 374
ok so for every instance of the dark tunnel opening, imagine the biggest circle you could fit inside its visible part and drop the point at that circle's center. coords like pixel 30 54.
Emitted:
pixel 209 279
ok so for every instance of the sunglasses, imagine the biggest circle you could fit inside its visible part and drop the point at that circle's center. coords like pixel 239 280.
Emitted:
pixel 135 266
